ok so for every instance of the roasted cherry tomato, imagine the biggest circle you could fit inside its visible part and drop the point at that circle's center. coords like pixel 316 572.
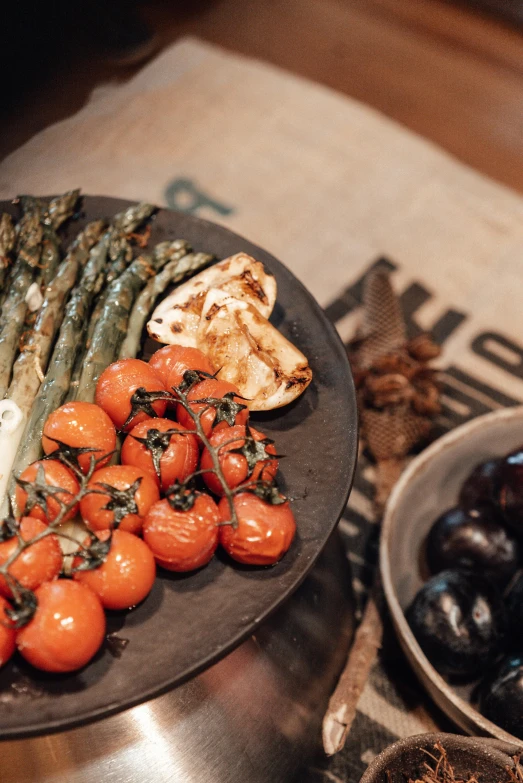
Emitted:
pixel 37 496
pixel 85 428
pixel 264 533
pixel 40 562
pixel 126 391
pixel 7 634
pixel 236 467
pixel 127 494
pixel 127 575
pixel 167 457
pixel 67 628
pixel 211 389
pixel 171 361
pixel 182 540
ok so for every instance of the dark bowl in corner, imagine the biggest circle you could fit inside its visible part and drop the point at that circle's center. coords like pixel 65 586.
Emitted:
pixel 487 759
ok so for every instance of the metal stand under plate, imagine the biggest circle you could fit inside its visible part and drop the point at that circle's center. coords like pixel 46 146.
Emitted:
pixel 253 717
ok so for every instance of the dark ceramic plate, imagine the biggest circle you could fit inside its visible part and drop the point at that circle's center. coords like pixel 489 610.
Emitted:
pixel 189 622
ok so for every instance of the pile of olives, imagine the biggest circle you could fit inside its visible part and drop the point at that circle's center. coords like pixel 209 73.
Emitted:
pixel 468 618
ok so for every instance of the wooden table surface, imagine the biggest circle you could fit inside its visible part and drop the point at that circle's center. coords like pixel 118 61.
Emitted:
pixel 447 72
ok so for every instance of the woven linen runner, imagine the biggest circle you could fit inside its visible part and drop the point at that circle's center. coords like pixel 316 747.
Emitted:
pixel 332 188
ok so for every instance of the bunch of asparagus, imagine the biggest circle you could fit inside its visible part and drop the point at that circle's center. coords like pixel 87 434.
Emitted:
pixel 93 304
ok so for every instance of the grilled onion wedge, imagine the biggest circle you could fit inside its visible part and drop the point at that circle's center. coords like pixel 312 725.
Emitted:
pixel 177 317
pixel 268 370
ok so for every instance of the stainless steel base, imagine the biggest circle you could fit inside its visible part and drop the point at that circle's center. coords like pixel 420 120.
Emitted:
pixel 252 718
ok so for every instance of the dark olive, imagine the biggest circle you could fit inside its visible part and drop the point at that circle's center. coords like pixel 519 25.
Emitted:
pixel 511 492
pixel 501 697
pixel 515 615
pixel 473 539
pixel 459 620
pixel 482 485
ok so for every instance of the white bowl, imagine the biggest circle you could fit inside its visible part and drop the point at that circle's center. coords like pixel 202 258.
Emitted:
pixel 429 486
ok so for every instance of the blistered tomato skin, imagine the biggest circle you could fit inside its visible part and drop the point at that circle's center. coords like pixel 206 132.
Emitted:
pixel 127 575
pixel 234 466
pixel 171 361
pixel 264 533
pixel 81 425
pixel 182 540
pixel 7 635
pixel 55 475
pixel 210 389
pixel 179 454
pixel 40 562
pixel 67 629
pixel 131 504
pixel 116 387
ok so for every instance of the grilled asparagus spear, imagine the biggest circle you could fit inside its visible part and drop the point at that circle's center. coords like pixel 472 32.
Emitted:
pixel 35 354
pixel 174 272
pixel 56 383
pixel 29 234
pixel 110 329
pixel 61 208
pixel 29 246
pixel 120 253
pixel 55 386
pixel 58 211
pixel 7 244
pixel 29 252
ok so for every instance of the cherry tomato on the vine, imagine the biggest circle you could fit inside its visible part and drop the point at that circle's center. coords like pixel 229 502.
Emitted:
pixel 7 634
pixel 211 388
pixel 264 533
pixel 83 426
pixel 235 467
pixel 66 630
pixel 171 361
pixel 126 576
pixel 182 540
pixel 37 497
pixel 126 391
pixel 40 562
pixel 127 496
pixel 149 446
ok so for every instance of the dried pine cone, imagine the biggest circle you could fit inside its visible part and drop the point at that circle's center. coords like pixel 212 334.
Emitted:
pixel 389 389
pixel 398 393
pixel 423 348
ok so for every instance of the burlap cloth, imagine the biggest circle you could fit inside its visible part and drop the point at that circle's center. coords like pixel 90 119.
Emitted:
pixel 331 188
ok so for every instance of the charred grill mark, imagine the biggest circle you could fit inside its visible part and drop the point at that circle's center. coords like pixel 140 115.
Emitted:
pixel 301 377
pixel 212 312
pixel 194 303
pixel 254 286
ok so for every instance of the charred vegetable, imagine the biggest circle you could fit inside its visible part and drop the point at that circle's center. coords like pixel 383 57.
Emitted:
pixel 111 326
pixel 7 243
pixel 174 271
pixel 32 362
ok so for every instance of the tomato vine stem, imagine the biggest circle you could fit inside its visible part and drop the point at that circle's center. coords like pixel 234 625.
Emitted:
pixel 24 600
